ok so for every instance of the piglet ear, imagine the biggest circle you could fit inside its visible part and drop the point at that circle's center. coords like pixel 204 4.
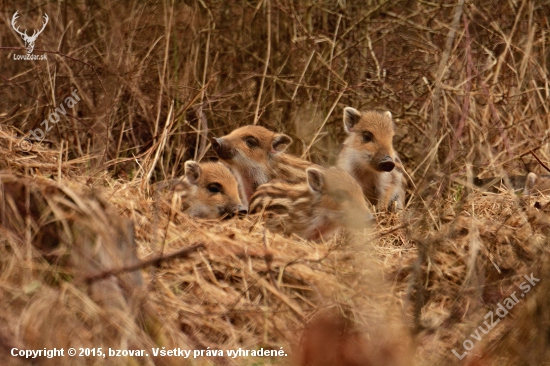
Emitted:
pixel 315 179
pixel 388 115
pixel 280 143
pixel 192 172
pixel 351 117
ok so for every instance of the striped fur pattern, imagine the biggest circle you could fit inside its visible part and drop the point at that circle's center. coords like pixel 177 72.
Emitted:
pixel 256 156
pixel 328 200
pixel 209 191
pixel 369 157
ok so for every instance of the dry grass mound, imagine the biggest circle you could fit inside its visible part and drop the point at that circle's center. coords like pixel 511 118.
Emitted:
pixel 243 287
pixel 412 283
pixel 466 265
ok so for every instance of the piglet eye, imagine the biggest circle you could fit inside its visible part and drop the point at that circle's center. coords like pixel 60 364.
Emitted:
pixel 367 136
pixel 214 188
pixel 251 142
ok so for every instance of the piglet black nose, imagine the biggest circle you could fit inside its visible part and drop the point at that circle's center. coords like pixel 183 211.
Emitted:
pixel 242 211
pixel 221 148
pixel 386 164
pixel 216 145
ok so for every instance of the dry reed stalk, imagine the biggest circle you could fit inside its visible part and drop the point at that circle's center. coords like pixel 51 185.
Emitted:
pixel 266 62
pixel 159 147
pixel 442 70
pixel 168 12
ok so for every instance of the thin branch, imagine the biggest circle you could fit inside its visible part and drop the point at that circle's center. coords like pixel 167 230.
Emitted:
pixel 441 70
pixel 267 57
pixel 23 89
pixel 63 55
pixel 540 162
pixel 467 88
pixel 184 253
pixel 314 140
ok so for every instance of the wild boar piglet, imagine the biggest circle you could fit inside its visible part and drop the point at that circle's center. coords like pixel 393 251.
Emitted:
pixel 256 156
pixel 368 156
pixel 209 191
pixel 329 200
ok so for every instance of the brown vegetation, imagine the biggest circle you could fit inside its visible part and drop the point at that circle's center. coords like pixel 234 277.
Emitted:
pixel 467 83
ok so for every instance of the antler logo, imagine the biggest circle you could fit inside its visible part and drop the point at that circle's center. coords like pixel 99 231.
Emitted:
pixel 29 41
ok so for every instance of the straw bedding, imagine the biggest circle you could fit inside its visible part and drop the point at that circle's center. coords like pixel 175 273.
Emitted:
pixel 414 288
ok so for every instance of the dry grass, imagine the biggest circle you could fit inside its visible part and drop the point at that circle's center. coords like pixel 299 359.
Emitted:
pixel 469 89
pixel 246 288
